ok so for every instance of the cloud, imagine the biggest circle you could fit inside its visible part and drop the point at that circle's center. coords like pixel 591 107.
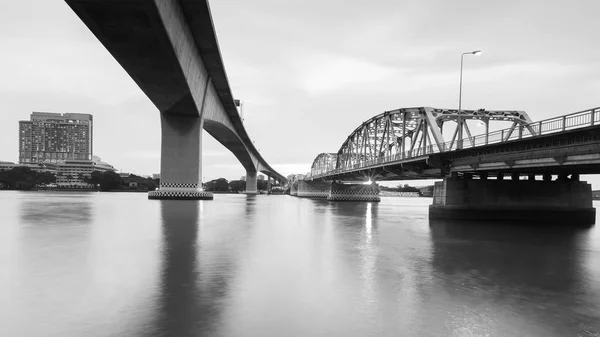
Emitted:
pixel 321 73
pixel 292 168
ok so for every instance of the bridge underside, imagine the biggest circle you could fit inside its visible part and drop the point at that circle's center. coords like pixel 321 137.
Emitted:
pixel 169 49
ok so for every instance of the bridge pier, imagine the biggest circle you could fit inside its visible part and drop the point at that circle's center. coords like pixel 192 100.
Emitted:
pixel 314 189
pixel 353 192
pixel 181 159
pixel 566 202
pixel 251 183
pixel 294 188
pixel 269 185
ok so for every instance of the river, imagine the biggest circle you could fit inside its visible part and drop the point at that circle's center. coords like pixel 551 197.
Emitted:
pixel 117 264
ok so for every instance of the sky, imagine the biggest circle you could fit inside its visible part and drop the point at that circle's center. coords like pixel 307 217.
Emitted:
pixel 309 72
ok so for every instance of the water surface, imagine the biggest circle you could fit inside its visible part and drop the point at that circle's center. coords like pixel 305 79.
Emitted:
pixel 117 264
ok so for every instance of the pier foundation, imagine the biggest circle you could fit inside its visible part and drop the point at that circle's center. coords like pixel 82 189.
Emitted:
pixel 566 202
pixel 353 192
pixel 314 189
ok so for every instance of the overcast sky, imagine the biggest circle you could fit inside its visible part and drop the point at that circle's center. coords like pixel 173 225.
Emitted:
pixel 309 71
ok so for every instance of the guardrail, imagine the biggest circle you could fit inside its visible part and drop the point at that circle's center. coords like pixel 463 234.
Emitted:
pixel 571 121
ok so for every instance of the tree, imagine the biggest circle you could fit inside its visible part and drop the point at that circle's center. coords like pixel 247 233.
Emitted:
pixel 108 180
pixel 45 178
pixel 218 185
pixel 407 188
pixel 237 185
pixel 24 178
pixel 261 185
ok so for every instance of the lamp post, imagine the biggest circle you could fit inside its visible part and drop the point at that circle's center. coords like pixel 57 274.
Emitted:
pixel 459 119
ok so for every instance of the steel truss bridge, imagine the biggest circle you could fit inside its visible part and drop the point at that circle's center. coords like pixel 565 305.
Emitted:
pixel 408 144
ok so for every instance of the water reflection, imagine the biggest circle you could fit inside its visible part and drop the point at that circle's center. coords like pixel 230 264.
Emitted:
pixel 118 265
pixel 51 248
pixel 179 298
pixel 196 270
pixel 56 208
pixel 494 271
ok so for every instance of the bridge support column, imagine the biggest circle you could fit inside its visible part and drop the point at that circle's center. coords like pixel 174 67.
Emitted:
pixel 566 202
pixel 314 189
pixel 251 185
pixel 294 188
pixel 353 192
pixel 181 159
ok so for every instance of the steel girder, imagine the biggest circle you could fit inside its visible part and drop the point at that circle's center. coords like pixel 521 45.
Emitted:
pixel 324 162
pixel 410 132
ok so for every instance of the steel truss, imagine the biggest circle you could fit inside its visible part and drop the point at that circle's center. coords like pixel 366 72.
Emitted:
pixel 405 133
pixel 324 163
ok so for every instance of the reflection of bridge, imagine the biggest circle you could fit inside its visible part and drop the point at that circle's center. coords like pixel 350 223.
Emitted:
pixel 408 144
pixel 170 50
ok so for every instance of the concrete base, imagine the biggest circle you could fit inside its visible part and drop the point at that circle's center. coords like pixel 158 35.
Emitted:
pixel 529 215
pixel 565 202
pixel 183 195
pixel 354 192
pixel 314 189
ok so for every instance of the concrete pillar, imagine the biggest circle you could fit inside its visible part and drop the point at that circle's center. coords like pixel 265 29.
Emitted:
pixel 181 159
pixel 530 201
pixel 251 186
pixel 268 185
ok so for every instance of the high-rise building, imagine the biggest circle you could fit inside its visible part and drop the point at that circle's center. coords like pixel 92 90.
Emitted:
pixel 55 138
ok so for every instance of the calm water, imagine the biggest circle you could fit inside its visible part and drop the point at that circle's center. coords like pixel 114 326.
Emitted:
pixel 102 264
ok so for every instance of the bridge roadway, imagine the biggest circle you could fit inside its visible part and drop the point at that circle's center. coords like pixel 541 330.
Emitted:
pixel 170 49
pixel 568 144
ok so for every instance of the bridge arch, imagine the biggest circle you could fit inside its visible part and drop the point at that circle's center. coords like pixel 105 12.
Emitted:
pixel 324 162
pixel 410 132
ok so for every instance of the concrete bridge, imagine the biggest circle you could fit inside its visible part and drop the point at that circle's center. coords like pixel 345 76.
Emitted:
pixel 170 49
pixel 408 144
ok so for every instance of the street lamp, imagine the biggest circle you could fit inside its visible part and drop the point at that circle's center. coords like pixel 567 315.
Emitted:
pixel 460 121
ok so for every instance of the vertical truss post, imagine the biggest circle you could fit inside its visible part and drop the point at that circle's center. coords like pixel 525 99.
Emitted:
pixel 403 134
pixel 388 150
pixel 424 136
pixel 487 131
pixel 376 138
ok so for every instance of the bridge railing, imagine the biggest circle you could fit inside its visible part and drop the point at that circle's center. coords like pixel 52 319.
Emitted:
pixel 563 123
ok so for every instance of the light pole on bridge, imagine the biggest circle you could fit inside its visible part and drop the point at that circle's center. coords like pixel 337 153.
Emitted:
pixel 459 143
